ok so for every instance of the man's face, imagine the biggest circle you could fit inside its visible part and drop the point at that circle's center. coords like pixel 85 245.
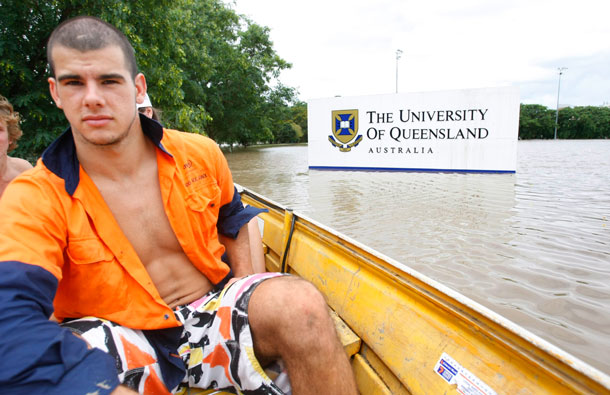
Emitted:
pixel 4 140
pixel 96 93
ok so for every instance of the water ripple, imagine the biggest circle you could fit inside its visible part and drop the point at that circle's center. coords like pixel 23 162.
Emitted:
pixel 533 246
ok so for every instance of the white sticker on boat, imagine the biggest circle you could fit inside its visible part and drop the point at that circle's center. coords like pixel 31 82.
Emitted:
pixel 261 225
pixel 454 373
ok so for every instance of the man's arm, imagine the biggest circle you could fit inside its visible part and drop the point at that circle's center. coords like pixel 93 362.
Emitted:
pixel 233 220
pixel 122 390
pixel 238 252
pixel 38 356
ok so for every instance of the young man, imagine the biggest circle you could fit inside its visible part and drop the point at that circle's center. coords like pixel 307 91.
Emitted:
pixel 10 132
pixel 119 230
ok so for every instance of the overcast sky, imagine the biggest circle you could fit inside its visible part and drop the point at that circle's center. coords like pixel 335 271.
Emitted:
pixel 348 47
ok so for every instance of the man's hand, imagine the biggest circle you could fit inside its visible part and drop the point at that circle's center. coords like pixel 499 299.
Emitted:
pixel 233 279
pixel 122 390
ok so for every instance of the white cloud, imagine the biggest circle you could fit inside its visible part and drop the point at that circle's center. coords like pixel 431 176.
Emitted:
pixel 347 47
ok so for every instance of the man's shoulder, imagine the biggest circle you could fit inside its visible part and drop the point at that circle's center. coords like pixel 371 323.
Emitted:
pixel 187 137
pixel 190 142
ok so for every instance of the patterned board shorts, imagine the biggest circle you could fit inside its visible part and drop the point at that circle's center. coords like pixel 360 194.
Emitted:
pixel 216 346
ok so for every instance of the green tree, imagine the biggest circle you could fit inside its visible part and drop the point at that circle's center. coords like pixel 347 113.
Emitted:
pixel 587 122
pixel 239 92
pixel 278 108
pixel 24 28
pixel 208 69
pixel 299 116
pixel 536 122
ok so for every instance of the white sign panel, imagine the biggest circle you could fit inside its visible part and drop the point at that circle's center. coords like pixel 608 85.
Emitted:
pixel 464 130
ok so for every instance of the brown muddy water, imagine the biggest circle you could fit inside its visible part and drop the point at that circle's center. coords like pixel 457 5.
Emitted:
pixel 533 246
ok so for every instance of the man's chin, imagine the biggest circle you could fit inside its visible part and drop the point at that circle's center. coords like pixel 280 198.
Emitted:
pixel 104 141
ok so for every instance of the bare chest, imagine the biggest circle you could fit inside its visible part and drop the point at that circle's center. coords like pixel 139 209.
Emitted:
pixel 139 211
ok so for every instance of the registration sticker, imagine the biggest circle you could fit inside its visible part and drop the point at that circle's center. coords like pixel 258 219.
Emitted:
pixel 454 373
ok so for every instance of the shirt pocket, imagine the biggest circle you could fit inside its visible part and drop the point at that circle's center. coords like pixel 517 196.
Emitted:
pixel 94 281
pixel 203 205
pixel 88 250
pixel 205 198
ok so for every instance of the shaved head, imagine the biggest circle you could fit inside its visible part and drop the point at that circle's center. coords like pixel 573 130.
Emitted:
pixel 87 33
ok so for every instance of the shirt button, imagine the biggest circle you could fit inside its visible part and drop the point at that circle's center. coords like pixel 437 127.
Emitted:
pixel 212 205
pixel 166 316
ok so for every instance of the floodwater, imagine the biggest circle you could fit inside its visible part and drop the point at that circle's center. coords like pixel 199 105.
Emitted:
pixel 532 246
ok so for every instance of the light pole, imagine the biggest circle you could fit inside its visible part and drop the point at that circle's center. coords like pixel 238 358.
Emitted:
pixel 561 69
pixel 398 53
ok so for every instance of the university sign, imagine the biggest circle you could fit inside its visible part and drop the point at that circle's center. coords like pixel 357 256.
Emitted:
pixel 466 130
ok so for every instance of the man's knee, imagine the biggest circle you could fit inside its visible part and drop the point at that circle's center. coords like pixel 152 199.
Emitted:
pixel 290 308
pixel 306 305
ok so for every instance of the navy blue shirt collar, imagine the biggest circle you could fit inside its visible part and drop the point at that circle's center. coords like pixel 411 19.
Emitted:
pixel 60 157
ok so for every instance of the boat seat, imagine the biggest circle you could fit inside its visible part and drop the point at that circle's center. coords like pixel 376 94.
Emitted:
pixel 350 341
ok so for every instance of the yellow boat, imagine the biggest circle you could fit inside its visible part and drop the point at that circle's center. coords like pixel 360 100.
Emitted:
pixel 408 334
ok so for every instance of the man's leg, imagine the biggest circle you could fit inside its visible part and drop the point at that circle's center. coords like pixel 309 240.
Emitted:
pixel 217 346
pixel 289 319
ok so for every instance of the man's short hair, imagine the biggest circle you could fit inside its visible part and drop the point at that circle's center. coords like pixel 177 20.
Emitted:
pixel 88 33
pixel 12 122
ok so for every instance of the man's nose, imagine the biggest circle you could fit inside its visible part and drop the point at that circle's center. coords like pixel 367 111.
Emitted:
pixel 93 95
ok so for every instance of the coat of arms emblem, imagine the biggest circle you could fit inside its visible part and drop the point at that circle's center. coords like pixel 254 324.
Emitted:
pixel 345 130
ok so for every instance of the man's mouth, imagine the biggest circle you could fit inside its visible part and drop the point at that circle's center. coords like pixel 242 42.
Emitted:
pixel 97 120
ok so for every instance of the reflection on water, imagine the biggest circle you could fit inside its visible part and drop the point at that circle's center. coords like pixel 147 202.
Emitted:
pixel 533 246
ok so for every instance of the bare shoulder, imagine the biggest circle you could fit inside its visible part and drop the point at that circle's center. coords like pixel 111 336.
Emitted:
pixel 19 165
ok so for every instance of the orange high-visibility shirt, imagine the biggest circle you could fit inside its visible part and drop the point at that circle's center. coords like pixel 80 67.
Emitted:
pixel 54 217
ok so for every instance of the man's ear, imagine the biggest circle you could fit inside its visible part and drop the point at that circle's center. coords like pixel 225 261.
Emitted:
pixel 53 90
pixel 140 82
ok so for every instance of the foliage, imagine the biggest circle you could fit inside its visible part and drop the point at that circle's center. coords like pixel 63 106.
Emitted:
pixel 209 69
pixel 24 27
pixel 299 116
pixel 538 122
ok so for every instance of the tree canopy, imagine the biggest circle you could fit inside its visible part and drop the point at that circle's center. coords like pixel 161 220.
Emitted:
pixel 208 69
pixel 589 122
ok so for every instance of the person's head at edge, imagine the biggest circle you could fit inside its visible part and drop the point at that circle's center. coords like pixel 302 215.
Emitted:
pixel 94 80
pixel 147 109
pixel 10 119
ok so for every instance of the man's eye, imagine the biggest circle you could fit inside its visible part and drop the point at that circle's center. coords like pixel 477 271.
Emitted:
pixel 73 82
pixel 109 82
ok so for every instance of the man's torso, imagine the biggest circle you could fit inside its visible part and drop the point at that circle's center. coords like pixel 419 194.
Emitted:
pixel 136 205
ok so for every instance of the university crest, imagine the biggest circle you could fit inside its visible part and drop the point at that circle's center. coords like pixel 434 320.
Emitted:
pixel 345 129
